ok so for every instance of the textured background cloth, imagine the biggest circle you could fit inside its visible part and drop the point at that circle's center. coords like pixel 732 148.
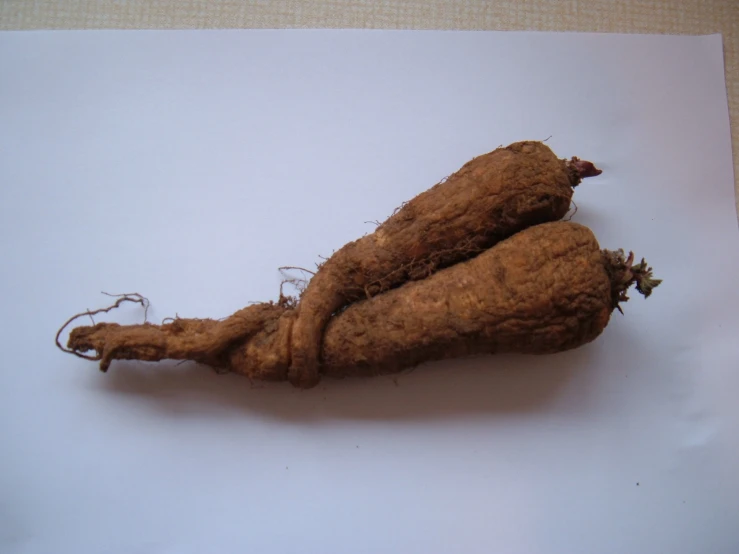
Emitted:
pixel 637 16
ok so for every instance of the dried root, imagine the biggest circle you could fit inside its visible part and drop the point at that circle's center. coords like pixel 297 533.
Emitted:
pixel 546 289
pixel 489 199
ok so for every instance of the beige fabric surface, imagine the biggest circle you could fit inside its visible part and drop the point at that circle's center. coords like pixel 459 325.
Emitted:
pixel 613 16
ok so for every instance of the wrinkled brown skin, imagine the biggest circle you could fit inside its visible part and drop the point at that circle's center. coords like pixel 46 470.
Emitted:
pixel 489 199
pixel 546 289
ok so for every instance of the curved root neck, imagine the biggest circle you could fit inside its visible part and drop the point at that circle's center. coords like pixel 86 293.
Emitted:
pixel 623 273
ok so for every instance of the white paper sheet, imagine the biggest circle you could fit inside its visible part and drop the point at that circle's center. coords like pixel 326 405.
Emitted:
pixel 189 166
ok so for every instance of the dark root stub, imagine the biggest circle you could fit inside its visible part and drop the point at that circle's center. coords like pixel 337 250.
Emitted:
pixel 623 273
pixel 581 169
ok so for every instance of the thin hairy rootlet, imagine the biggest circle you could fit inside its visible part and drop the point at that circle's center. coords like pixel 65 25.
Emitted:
pixel 547 289
pixel 490 198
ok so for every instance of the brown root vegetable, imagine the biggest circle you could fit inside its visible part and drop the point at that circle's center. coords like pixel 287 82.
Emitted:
pixel 547 289
pixel 490 198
